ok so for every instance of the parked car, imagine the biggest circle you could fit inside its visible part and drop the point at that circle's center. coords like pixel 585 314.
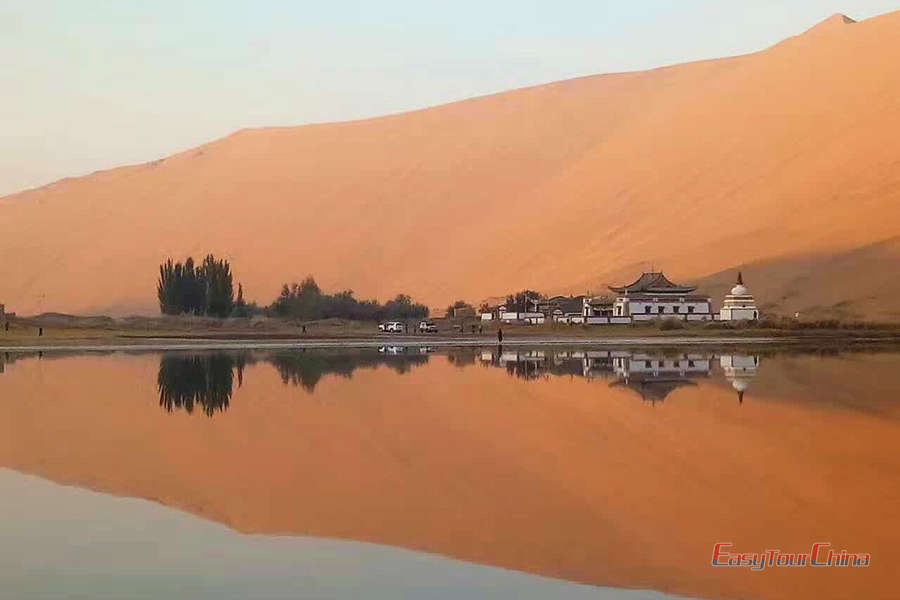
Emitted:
pixel 391 327
pixel 427 327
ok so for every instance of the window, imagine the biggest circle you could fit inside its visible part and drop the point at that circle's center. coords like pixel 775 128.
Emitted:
pixel 647 364
pixel 690 309
pixel 661 309
pixel 647 309
pixel 677 309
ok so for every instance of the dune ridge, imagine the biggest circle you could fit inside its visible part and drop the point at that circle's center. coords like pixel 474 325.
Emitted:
pixel 784 162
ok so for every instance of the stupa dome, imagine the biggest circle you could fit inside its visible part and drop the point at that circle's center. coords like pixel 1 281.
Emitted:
pixel 739 289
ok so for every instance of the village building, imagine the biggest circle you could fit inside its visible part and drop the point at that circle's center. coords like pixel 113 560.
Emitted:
pixel 563 309
pixel 598 306
pixel 653 296
pixel 739 305
pixel 463 312
pixel 516 312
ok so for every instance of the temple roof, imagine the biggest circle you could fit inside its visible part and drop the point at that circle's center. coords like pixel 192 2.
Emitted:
pixel 650 283
pixel 653 389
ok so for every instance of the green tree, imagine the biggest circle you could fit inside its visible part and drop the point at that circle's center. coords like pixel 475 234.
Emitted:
pixel 451 310
pixel 203 290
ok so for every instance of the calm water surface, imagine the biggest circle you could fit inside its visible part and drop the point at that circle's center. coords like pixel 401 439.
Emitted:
pixel 459 472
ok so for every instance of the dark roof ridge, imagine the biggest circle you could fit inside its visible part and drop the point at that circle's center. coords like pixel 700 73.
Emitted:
pixel 653 281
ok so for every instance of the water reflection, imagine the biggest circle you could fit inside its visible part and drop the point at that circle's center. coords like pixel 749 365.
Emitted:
pixel 306 368
pixel 651 375
pixel 207 379
pixel 557 469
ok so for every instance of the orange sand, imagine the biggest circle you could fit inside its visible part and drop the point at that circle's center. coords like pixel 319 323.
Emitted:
pixel 787 158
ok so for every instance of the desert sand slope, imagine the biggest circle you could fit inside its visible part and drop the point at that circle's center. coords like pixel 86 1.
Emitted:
pixel 766 158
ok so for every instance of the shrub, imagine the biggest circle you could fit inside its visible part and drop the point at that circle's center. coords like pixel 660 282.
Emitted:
pixel 670 324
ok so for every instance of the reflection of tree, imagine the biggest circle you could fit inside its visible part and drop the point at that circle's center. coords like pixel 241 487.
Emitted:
pixel 527 370
pixel 307 368
pixel 462 357
pixel 206 380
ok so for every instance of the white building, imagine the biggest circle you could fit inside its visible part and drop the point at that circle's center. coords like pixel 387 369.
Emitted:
pixel 739 305
pixel 653 296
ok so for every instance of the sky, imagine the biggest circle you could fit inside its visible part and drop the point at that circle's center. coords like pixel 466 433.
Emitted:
pixel 94 84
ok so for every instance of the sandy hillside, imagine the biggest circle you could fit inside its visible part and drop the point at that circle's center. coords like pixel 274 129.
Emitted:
pixel 787 161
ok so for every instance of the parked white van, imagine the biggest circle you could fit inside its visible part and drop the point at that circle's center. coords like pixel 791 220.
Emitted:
pixel 427 327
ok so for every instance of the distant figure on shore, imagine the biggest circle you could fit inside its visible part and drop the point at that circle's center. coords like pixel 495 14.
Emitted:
pixel 40 331
pixel 499 335
pixel 6 326
pixel 303 330
pixel 480 329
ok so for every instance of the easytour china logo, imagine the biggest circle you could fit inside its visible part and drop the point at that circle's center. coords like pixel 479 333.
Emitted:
pixel 821 554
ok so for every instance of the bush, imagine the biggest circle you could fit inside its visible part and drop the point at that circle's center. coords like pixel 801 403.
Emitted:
pixel 306 301
pixel 670 324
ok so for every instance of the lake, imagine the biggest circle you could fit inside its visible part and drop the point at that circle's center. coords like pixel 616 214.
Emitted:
pixel 444 472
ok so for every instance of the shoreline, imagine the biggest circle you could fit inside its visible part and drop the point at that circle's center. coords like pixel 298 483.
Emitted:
pixel 186 343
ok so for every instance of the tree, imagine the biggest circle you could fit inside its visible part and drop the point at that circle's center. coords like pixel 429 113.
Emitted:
pixel 522 301
pixel 459 304
pixel 166 289
pixel 307 301
pixel 217 286
pixel 204 290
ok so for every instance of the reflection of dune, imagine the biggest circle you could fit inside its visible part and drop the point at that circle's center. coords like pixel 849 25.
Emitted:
pixel 559 477
pixel 784 159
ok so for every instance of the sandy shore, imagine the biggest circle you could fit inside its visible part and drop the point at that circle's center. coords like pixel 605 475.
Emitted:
pixel 155 344
pixel 201 344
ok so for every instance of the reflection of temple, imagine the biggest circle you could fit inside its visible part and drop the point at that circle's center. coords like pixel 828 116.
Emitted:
pixel 739 369
pixel 653 376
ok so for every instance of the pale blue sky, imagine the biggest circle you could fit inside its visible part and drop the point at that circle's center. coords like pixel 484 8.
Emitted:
pixel 91 84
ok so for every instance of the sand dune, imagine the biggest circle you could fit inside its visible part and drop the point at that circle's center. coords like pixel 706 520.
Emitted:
pixel 767 159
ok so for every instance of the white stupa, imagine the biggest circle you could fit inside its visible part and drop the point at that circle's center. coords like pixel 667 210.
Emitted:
pixel 739 305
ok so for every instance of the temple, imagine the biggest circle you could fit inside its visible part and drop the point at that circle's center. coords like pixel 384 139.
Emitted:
pixel 739 305
pixel 653 296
